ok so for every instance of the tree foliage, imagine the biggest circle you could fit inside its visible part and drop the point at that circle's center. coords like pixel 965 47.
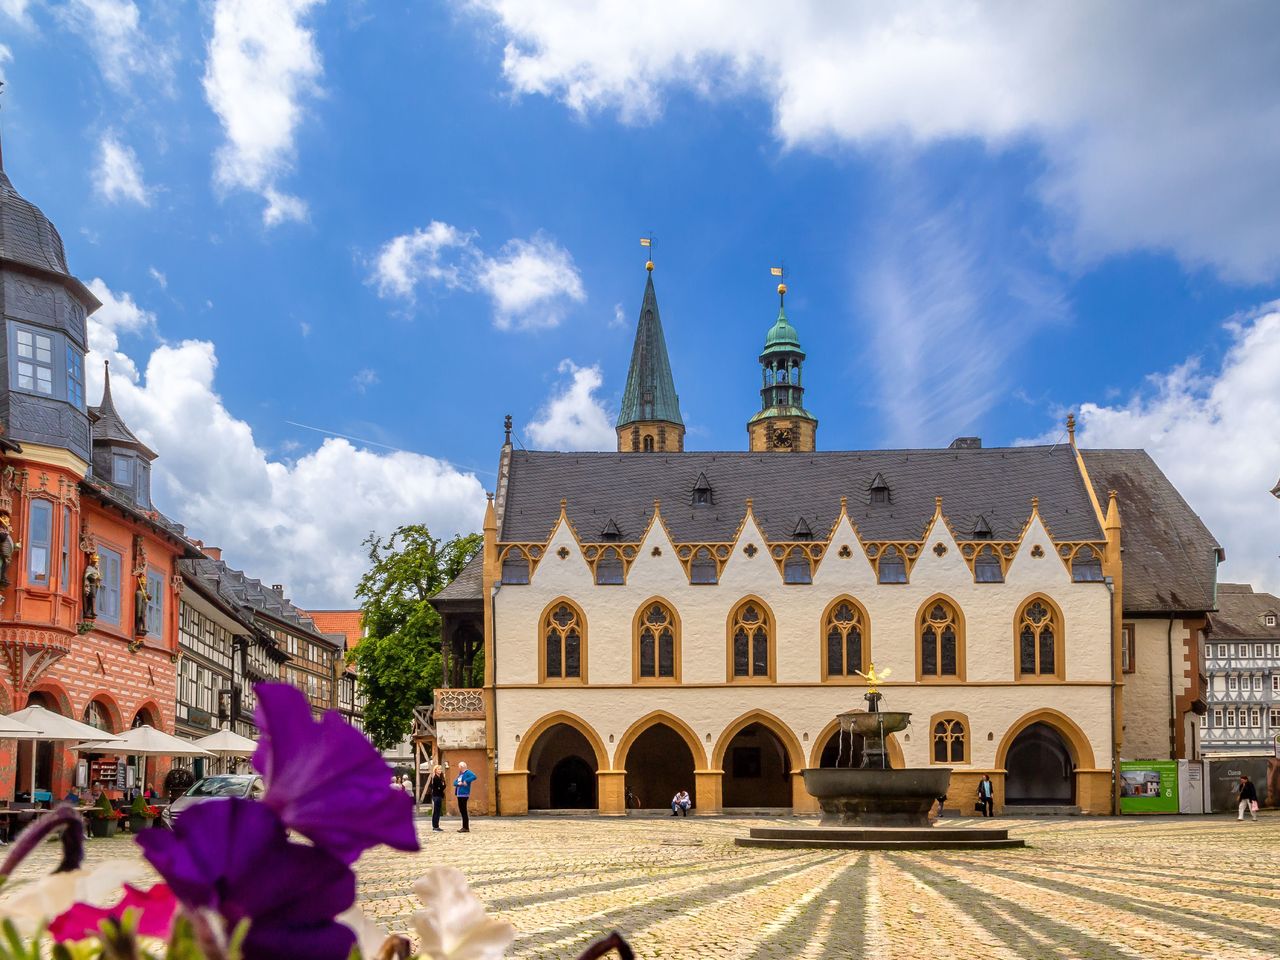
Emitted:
pixel 400 659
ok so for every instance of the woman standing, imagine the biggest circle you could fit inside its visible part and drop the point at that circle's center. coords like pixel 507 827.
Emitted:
pixel 436 789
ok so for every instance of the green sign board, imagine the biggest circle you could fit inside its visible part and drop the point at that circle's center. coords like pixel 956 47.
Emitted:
pixel 1148 786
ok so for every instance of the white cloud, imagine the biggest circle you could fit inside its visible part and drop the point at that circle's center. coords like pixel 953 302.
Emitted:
pixel 413 258
pixel 6 56
pixel 364 379
pixel 529 282
pixel 573 417
pixel 16 10
pixel 120 46
pixel 262 62
pixel 304 328
pixel 158 277
pixel 1215 435
pixel 298 522
pixel 119 175
pixel 1152 122
pixel 619 317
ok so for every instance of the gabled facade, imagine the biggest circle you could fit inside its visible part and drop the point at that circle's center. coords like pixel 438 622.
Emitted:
pixel 1242 656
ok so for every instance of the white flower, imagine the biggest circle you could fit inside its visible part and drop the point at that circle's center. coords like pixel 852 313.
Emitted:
pixel 369 936
pixel 39 901
pixel 453 925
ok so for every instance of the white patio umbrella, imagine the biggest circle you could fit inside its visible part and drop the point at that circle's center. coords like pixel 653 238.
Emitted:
pixel 11 729
pixel 144 741
pixel 226 743
pixel 55 727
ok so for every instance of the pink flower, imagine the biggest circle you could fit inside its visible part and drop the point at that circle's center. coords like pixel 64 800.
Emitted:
pixel 155 909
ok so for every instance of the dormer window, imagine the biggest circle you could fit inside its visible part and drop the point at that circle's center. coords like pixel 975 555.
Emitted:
pixel 879 489
pixel 515 567
pixel 1086 566
pixel 1270 620
pixel 797 568
pixel 703 568
pixel 981 529
pixel 892 567
pixel 122 470
pixel 702 494
pixel 802 530
pixel 986 567
pixel 609 567
pixel 610 531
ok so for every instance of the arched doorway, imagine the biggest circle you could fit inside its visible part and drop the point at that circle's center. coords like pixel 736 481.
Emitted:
pixel 1039 768
pixel 97 767
pixel 562 770
pixel 757 769
pixel 659 765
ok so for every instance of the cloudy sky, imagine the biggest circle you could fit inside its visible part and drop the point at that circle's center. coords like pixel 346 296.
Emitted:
pixel 337 241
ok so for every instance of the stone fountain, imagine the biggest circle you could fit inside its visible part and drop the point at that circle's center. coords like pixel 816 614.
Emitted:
pixel 874 805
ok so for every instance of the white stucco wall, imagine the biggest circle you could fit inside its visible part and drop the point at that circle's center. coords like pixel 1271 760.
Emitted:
pixel 990 696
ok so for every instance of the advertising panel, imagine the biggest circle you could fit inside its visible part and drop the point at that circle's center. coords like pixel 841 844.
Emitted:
pixel 1148 786
pixel 1224 781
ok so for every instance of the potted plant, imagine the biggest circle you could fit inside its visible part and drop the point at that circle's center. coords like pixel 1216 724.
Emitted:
pixel 105 820
pixel 141 815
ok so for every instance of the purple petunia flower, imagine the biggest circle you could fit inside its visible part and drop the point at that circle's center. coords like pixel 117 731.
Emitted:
pixel 326 780
pixel 234 857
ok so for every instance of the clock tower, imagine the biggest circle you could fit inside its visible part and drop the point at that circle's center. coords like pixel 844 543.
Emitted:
pixel 782 424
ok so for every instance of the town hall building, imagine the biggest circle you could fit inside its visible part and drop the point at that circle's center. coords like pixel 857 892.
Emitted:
pixel 658 619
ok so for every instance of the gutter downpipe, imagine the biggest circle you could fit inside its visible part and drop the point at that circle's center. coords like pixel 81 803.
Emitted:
pixel 1115 754
pixel 1173 699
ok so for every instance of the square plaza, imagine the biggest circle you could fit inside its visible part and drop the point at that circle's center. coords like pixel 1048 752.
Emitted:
pixel 1082 888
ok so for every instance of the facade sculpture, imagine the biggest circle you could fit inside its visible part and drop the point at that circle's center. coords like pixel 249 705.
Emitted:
pixel 92 583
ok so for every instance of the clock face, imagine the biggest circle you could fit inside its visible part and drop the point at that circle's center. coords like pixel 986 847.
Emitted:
pixel 782 438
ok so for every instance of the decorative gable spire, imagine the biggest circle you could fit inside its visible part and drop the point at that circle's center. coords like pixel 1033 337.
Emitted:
pixel 650 421
pixel 108 427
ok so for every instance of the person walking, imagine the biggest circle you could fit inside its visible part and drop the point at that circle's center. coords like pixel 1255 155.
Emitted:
pixel 462 793
pixel 1248 798
pixel 680 804
pixel 435 789
pixel 986 795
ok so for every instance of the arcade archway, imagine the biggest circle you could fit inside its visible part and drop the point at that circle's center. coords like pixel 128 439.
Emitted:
pixel 1039 768
pixel 659 765
pixel 757 769
pixel 562 770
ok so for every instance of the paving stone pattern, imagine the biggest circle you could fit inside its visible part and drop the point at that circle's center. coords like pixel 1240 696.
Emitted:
pixel 1084 889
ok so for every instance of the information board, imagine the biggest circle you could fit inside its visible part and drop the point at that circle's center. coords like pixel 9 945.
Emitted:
pixel 1148 786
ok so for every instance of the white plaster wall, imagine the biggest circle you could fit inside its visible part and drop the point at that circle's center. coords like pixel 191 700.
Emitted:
pixel 1146 690
pixel 991 698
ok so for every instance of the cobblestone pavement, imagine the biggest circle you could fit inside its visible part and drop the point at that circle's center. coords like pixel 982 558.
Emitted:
pixel 1084 888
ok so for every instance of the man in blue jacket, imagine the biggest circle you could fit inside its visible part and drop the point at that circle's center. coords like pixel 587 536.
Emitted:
pixel 462 792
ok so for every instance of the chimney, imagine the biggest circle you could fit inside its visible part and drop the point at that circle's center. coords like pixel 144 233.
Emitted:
pixel 278 588
pixel 213 553
pixel 966 443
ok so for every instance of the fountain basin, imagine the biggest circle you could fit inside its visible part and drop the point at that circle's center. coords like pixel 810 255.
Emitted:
pixel 868 724
pixel 877 798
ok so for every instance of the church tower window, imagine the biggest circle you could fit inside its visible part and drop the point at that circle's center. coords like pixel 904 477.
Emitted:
pixel 750 650
pixel 564 643
pixel 941 641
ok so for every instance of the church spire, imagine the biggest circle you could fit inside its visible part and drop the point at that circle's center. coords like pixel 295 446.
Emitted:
pixel 650 417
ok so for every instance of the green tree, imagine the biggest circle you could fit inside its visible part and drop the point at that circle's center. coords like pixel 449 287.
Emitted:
pixel 400 659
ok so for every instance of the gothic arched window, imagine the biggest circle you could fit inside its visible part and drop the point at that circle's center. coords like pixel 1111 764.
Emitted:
pixel 657 642
pixel 564 643
pixel 848 645
pixel 948 739
pixel 750 656
pixel 1086 566
pixel 1039 639
pixel 986 567
pixel 797 568
pixel 941 635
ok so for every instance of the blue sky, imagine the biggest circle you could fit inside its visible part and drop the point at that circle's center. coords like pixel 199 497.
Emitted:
pixel 398 222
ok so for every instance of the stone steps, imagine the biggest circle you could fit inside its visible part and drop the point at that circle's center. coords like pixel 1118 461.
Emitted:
pixel 879 838
pixel 1039 810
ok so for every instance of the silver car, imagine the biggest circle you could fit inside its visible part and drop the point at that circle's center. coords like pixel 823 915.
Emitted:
pixel 243 785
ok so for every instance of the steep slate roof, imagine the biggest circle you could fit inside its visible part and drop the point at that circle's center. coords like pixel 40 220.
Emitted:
pixel 995 482
pixel 27 236
pixel 650 372
pixel 1170 557
pixel 467 586
pixel 108 426
pixel 239 589
pixel 1241 614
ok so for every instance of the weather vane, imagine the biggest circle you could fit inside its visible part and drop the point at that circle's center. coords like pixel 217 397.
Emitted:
pixel 781 274
pixel 648 242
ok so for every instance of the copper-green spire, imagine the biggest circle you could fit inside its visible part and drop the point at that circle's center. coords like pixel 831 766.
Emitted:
pixel 650 394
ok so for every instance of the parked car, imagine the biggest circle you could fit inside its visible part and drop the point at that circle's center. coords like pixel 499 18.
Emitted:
pixel 244 785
